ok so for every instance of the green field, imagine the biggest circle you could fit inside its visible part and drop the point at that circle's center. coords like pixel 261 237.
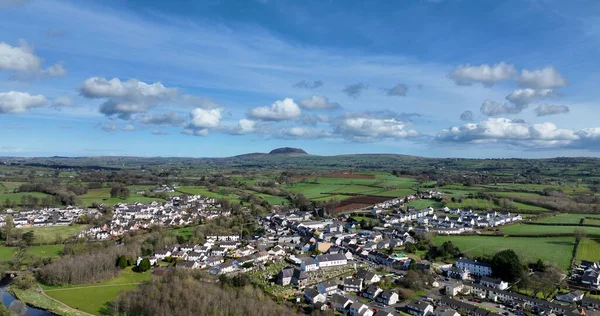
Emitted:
pixel 54 234
pixel 555 250
pixel 421 204
pixel 16 197
pixel 49 251
pixel 475 204
pixel 594 221
pixel 91 298
pixel 186 232
pixel 563 219
pixel 522 229
pixel 589 249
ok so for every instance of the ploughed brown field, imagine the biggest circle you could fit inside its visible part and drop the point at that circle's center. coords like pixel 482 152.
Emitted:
pixel 359 202
pixel 338 175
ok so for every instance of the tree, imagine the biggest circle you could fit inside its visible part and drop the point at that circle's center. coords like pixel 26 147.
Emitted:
pixel 18 308
pixel 506 265
pixel 579 233
pixel 144 265
pixel 122 262
pixel 412 266
pixel 28 238
pixel 8 228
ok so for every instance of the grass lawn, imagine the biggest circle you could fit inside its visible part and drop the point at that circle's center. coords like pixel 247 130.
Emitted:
pixel 589 249
pixel 555 250
pixel 33 298
pixel 476 204
pixel 48 251
pixel 421 204
pixel 186 232
pixel 595 221
pixel 16 197
pixel 91 298
pixel 103 196
pixel 54 234
pixel 527 207
pixel 522 229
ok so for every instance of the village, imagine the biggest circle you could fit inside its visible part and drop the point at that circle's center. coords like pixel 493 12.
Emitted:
pixel 335 263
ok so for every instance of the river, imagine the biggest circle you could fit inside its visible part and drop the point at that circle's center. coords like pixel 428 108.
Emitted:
pixel 8 298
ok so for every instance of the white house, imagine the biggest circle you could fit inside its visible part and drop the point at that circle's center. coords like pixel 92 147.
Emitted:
pixel 332 260
pixel 474 267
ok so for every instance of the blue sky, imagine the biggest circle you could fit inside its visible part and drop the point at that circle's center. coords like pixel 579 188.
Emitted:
pixel 445 78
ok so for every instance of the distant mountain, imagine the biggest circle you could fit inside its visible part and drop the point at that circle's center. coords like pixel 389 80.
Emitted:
pixel 287 151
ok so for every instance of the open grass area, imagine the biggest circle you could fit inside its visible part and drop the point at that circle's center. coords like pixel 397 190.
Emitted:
pixel 47 251
pixel 522 229
pixel 563 219
pixel 103 196
pixel 186 232
pixel 475 204
pixel 16 197
pixel 554 250
pixel 34 298
pixel 54 234
pixel 91 298
pixel 589 249
pixel 421 204
pixel 527 207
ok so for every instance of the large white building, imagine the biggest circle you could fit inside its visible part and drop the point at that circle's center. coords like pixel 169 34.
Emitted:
pixel 474 267
pixel 333 260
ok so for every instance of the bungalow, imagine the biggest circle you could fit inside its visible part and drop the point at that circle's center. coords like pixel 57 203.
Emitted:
pixel 493 283
pixel 228 267
pixel 313 296
pixel 572 297
pixel 419 308
pixel 353 285
pixel 591 277
pixel 214 260
pixel 444 311
pixel 387 297
pixel 383 313
pixel 187 264
pixel 454 288
pixel 193 256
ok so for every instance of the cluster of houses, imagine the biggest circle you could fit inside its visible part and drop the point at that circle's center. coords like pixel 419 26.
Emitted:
pixel 51 216
pixel 446 221
pixel 176 211
pixel 586 275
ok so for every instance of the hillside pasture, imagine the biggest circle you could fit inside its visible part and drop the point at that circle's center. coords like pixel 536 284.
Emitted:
pixel 522 229
pixel 54 234
pixel 588 249
pixel 554 250
pixel 563 219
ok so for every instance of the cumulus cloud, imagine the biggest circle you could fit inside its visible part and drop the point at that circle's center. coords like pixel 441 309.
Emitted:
pixel 19 102
pixel 159 133
pixel 317 102
pixel 297 132
pixel 125 98
pixel 546 109
pixel 308 84
pixel 493 108
pixel 355 90
pixel 24 63
pixel 546 78
pixel 195 132
pixel 204 119
pixel 170 118
pixel 504 130
pixel 487 75
pixel 128 128
pixel 399 90
pixel 283 110
pixel 467 116
pixel 243 127
pixel 313 120
pixel 368 127
pixel 523 97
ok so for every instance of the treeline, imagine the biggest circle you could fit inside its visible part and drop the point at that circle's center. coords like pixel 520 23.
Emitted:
pixel 92 267
pixel 179 293
pixel 66 196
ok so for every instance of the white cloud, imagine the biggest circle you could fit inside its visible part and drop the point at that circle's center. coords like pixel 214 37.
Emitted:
pixel 317 102
pixel 205 119
pixel 126 98
pixel 295 131
pixel 510 131
pixel 128 128
pixel 19 102
pixel 170 118
pixel 367 128
pixel 547 78
pixel 527 96
pixel 278 111
pixel 546 109
pixel 245 127
pixel 22 60
pixel 109 127
pixel 466 75
pixel 493 108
